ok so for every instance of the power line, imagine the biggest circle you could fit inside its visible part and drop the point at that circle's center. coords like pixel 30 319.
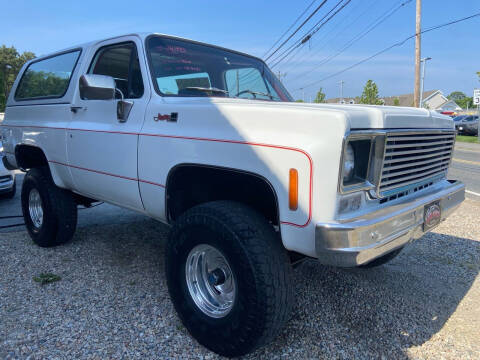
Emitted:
pixel 332 30
pixel 318 8
pixel 291 26
pixel 399 43
pixel 310 35
pixel 358 37
pixel 306 36
pixel 301 25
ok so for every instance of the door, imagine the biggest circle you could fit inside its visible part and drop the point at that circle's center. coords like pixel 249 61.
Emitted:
pixel 102 151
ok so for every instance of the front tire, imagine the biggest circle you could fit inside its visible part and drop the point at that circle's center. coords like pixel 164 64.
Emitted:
pixel 229 277
pixel 50 213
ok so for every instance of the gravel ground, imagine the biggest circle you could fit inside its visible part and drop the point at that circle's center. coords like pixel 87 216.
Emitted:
pixel 112 301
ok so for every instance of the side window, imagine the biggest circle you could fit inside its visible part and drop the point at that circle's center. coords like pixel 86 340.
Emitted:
pixel 48 78
pixel 120 61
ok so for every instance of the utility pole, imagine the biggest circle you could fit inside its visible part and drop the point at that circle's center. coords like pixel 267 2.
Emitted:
pixel 341 90
pixel 280 76
pixel 418 29
pixel 424 61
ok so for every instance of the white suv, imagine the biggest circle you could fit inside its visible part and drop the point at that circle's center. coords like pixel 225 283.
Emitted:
pixel 208 140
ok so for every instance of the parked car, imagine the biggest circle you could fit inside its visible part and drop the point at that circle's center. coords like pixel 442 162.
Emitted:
pixel 208 141
pixel 8 185
pixel 459 118
pixel 467 125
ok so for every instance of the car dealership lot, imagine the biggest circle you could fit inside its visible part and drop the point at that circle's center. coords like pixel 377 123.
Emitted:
pixel 112 299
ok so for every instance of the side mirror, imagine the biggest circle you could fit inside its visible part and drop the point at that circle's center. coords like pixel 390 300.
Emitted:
pixel 97 87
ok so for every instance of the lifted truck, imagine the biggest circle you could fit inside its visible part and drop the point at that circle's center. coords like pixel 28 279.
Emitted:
pixel 208 140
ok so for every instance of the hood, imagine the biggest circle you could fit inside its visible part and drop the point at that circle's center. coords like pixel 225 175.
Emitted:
pixel 354 116
pixel 391 117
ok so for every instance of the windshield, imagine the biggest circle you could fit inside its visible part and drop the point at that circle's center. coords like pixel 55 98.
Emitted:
pixel 184 68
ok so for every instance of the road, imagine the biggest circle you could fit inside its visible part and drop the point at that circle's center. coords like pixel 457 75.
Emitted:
pixel 465 167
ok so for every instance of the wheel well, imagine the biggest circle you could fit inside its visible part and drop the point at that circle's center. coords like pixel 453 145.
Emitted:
pixel 190 185
pixel 29 157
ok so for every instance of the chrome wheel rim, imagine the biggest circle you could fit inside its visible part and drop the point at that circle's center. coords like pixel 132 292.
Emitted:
pixel 210 281
pixel 35 208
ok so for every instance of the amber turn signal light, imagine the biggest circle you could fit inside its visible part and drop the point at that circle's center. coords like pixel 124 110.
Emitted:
pixel 293 190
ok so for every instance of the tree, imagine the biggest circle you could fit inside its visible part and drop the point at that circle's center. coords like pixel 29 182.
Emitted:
pixel 396 102
pixel 320 98
pixel 370 94
pixel 456 95
pixel 461 99
pixel 299 100
pixel 11 61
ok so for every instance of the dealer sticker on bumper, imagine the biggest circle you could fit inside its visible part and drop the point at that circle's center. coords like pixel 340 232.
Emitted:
pixel 432 216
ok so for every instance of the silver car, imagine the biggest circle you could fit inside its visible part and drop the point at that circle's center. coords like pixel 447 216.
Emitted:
pixel 7 180
pixel 467 125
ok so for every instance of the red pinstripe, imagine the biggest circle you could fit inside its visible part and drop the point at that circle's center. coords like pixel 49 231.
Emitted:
pixel 108 174
pixel 187 138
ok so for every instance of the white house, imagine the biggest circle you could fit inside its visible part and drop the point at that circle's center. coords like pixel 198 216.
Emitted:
pixel 437 101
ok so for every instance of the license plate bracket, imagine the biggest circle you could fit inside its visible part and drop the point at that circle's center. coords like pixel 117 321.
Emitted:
pixel 432 215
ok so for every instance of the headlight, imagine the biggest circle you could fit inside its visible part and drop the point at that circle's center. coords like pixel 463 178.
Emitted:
pixel 356 160
pixel 348 164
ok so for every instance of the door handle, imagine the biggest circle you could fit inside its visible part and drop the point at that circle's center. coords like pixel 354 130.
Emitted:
pixel 75 109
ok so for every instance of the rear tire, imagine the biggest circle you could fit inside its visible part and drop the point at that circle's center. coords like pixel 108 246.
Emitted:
pixel 260 295
pixel 50 213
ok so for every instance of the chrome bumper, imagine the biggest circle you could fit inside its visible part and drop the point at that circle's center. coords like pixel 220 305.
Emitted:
pixel 361 240
pixel 7 184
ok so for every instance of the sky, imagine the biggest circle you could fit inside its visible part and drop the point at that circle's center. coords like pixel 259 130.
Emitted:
pixel 254 26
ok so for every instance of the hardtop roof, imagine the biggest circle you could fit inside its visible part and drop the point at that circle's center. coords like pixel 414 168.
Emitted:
pixel 142 36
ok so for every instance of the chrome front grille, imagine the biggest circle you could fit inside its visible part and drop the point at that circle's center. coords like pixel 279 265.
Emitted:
pixel 414 157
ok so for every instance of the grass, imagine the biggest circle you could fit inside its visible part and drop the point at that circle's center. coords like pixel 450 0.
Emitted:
pixel 469 139
pixel 46 278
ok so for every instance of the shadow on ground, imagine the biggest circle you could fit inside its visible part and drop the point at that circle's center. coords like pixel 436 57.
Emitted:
pixel 112 300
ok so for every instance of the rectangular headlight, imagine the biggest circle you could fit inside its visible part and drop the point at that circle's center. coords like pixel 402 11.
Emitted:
pixel 368 151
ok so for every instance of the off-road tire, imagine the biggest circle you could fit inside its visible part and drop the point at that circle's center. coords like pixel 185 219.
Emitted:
pixel 261 270
pixel 59 209
pixel 382 259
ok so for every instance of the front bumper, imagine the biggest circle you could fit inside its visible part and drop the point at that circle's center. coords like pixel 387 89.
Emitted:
pixel 363 239
pixel 6 184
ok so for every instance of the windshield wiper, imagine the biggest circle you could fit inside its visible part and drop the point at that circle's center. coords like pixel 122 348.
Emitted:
pixel 211 89
pixel 255 93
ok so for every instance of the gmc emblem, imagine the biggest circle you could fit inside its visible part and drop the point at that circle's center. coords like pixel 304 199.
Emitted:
pixel 173 117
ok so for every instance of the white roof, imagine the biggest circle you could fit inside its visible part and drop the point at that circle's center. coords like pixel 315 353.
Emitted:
pixel 142 36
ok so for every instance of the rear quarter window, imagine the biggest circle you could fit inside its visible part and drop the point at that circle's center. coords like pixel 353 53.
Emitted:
pixel 47 78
